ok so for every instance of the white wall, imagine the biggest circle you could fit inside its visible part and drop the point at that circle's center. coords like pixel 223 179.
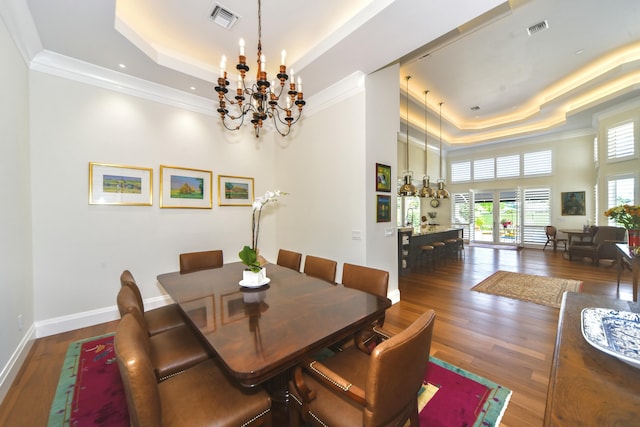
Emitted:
pixel 81 249
pixel 16 285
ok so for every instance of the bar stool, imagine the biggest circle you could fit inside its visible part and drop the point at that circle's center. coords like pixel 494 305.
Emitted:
pixel 439 251
pixel 460 252
pixel 451 249
pixel 428 252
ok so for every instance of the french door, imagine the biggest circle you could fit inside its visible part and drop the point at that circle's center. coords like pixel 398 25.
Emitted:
pixel 496 216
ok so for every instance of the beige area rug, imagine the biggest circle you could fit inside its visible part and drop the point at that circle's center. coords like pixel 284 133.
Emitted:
pixel 528 287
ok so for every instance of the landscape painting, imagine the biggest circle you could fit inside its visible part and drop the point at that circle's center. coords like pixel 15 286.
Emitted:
pixel 235 191
pixel 120 185
pixel 185 188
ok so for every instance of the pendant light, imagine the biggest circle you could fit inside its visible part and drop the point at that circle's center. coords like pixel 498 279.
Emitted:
pixel 407 188
pixel 442 192
pixel 426 190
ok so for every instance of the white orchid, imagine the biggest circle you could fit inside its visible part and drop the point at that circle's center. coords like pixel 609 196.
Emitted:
pixel 258 204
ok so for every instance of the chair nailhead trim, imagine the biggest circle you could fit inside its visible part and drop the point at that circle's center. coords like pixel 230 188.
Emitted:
pixel 332 381
pixel 255 418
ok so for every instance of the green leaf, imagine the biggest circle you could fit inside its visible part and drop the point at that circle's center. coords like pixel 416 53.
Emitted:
pixel 249 257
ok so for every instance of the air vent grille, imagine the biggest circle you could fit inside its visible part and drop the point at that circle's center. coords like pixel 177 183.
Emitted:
pixel 223 17
pixel 536 28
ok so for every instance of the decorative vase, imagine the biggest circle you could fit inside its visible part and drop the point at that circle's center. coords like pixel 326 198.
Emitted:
pixel 634 238
pixel 251 279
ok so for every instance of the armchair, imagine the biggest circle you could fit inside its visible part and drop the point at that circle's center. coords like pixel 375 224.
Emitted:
pixel 602 245
pixel 356 388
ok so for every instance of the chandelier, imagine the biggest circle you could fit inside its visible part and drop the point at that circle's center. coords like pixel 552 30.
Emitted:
pixel 261 100
pixel 407 188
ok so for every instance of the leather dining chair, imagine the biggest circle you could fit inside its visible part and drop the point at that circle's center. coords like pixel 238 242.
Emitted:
pixel 353 388
pixel 289 259
pixel 321 268
pixel 366 279
pixel 197 261
pixel 171 351
pixel 159 319
pixel 198 397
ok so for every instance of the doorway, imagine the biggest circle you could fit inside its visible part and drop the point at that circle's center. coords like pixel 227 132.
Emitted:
pixel 496 217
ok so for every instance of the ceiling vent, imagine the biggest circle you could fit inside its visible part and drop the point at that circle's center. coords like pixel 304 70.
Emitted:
pixel 223 17
pixel 536 28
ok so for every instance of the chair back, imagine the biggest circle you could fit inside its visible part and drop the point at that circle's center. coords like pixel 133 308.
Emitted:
pixel 136 371
pixel 289 259
pixel 551 231
pixel 365 279
pixel 196 261
pixel 126 279
pixel 396 371
pixel 321 268
pixel 128 304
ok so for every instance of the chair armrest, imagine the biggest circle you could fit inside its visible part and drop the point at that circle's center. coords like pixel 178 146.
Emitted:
pixel 333 381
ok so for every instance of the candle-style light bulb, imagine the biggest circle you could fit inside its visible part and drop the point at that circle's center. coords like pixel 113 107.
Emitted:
pixel 263 63
pixel 223 64
pixel 241 43
pixel 283 56
pixel 299 84
pixel 239 82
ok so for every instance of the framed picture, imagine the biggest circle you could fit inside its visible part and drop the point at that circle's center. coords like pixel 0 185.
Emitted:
pixel 120 185
pixel 235 191
pixel 185 188
pixel 383 177
pixel 573 203
pixel 383 208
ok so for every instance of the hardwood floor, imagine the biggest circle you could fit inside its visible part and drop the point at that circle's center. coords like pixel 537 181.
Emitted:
pixel 505 340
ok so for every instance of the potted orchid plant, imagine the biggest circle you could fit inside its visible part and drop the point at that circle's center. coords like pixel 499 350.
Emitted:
pixel 254 273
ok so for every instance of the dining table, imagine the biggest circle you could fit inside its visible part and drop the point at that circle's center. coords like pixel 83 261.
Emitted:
pixel 260 334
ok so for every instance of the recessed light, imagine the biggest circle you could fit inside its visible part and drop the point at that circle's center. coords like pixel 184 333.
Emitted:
pixel 122 66
pixel 192 88
pixel 579 51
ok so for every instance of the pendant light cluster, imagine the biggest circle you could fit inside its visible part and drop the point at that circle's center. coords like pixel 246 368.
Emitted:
pixel 426 190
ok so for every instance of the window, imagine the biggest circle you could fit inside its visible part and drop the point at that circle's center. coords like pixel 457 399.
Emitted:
pixel 621 141
pixel 595 150
pixel 461 171
pixel 508 166
pixel 483 169
pixel 538 163
pixel 620 191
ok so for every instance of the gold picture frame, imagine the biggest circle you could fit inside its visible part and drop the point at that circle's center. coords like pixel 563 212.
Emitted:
pixel 185 188
pixel 120 185
pixel 235 191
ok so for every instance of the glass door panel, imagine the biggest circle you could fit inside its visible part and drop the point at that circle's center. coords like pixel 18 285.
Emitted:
pixel 483 208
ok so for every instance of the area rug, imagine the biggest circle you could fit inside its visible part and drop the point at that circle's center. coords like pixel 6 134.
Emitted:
pixel 90 391
pixel 528 287
pixel 453 397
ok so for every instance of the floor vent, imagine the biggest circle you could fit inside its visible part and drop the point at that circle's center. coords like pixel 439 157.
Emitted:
pixel 223 17
pixel 536 28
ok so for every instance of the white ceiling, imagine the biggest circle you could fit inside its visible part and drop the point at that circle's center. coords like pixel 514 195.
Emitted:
pixel 489 61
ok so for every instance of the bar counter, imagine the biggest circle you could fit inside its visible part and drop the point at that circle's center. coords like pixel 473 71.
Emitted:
pixel 411 238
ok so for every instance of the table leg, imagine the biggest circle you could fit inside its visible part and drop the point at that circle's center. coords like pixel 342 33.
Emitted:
pixel 620 266
pixel 635 271
pixel 278 389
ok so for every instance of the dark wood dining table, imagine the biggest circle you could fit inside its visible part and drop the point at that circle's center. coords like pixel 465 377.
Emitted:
pixel 588 387
pixel 260 334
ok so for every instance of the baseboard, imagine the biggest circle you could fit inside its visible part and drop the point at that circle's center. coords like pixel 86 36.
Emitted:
pixel 11 369
pixel 89 318
pixel 394 296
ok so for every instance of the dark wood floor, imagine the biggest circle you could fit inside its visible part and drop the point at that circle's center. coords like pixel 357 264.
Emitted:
pixel 508 341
